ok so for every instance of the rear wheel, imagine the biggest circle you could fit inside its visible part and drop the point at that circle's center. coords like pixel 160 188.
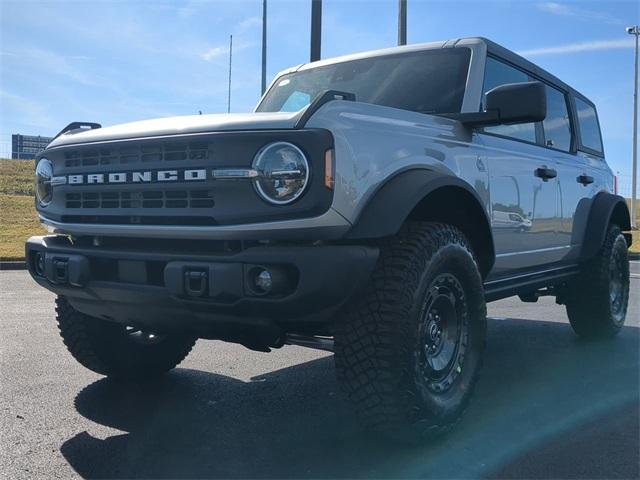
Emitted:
pixel 597 301
pixel 116 350
pixel 409 350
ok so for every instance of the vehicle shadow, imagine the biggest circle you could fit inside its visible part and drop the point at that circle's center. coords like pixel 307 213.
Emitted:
pixel 539 383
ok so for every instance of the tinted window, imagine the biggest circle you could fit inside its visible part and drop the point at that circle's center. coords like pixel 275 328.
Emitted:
pixel 589 128
pixel 497 73
pixel 431 81
pixel 557 128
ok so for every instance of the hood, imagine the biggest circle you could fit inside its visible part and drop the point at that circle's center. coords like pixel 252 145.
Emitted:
pixel 181 125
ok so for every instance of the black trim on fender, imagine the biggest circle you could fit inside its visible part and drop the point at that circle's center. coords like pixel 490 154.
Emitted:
pixel 603 209
pixel 395 200
pixel 392 203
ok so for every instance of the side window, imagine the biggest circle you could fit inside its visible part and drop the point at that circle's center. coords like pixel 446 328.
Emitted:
pixel 557 128
pixel 497 73
pixel 589 128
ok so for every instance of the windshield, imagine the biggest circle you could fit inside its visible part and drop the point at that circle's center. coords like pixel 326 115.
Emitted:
pixel 429 81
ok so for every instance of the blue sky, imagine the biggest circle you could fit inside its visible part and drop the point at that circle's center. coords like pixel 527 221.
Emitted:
pixel 112 62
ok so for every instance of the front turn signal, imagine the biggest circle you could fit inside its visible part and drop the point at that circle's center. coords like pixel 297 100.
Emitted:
pixel 328 169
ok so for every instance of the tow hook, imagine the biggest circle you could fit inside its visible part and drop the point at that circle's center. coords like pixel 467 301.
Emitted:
pixel 196 283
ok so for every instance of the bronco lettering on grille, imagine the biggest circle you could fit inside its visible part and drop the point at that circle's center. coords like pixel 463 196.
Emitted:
pixel 148 176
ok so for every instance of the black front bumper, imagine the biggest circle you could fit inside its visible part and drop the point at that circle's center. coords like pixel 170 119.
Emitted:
pixel 211 295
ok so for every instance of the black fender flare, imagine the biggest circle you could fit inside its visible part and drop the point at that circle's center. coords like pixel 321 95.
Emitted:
pixel 606 208
pixel 394 201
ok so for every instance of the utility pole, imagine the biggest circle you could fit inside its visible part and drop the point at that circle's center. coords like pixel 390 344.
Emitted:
pixel 635 30
pixel 230 58
pixel 402 22
pixel 264 46
pixel 316 29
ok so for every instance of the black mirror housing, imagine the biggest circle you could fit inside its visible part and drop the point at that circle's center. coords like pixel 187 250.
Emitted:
pixel 509 104
pixel 518 102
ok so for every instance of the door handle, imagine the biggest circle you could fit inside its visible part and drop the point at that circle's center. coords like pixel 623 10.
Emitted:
pixel 584 179
pixel 545 173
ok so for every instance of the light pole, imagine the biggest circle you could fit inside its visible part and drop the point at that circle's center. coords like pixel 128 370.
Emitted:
pixel 635 30
pixel 402 22
pixel 316 30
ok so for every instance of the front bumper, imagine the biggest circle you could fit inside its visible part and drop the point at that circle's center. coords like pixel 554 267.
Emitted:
pixel 211 295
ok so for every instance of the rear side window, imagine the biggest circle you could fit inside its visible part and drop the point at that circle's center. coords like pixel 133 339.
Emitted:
pixel 589 127
pixel 497 73
pixel 557 127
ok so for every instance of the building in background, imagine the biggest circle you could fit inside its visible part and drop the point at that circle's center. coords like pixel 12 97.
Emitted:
pixel 26 147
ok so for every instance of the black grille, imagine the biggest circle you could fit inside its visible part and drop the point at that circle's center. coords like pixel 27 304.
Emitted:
pixel 137 154
pixel 141 199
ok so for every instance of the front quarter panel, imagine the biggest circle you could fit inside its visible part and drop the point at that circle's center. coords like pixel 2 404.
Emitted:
pixel 375 143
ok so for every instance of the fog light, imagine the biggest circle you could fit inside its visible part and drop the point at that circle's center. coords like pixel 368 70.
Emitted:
pixel 263 281
pixel 39 264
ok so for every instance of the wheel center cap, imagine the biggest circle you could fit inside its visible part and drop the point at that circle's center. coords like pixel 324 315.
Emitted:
pixel 433 332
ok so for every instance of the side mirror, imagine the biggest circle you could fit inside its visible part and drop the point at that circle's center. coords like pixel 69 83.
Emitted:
pixel 518 102
pixel 509 104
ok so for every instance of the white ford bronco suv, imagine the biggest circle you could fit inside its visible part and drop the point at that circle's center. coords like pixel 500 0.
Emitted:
pixel 371 205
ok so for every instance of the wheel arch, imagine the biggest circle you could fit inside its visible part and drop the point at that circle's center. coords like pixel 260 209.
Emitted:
pixel 606 209
pixel 422 194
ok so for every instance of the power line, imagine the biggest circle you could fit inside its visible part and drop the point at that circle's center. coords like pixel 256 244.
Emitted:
pixel 230 58
pixel 264 46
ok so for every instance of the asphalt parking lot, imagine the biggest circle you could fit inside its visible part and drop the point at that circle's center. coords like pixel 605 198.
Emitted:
pixel 548 405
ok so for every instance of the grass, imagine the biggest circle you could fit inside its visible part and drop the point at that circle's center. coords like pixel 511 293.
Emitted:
pixel 635 246
pixel 16 177
pixel 18 219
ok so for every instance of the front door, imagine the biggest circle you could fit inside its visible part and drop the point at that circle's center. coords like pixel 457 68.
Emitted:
pixel 523 186
pixel 523 191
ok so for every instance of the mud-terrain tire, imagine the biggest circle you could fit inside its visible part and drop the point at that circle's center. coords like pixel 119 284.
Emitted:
pixel 409 349
pixel 597 300
pixel 118 351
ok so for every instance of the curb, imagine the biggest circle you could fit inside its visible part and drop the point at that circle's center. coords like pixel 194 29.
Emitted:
pixel 13 265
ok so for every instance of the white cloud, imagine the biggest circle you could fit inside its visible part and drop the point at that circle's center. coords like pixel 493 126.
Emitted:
pixel 249 23
pixel 579 47
pixel 571 11
pixel 219 51
pixel 214 52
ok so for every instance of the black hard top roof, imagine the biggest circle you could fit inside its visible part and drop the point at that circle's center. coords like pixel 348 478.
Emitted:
pixel 499 51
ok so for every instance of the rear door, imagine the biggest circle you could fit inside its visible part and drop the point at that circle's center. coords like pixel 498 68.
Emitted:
pixel 561 143
pixel 522 184
pixel 596 176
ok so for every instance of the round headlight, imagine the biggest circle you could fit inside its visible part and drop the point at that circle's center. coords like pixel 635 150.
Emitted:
pixel 44 190
pixel 283 172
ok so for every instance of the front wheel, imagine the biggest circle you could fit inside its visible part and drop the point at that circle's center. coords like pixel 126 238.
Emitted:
pixel 115 350
pixel 409 350
pixel 597 300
